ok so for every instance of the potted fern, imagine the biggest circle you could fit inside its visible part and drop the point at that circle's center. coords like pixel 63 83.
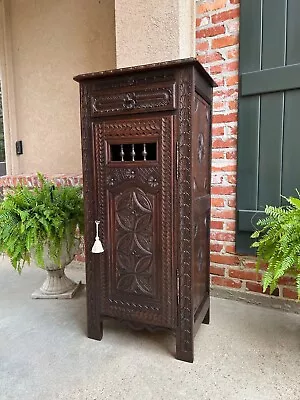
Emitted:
pixel 277 240
pixel 43 224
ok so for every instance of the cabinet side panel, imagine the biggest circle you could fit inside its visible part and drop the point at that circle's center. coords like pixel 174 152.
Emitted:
pixel 201 200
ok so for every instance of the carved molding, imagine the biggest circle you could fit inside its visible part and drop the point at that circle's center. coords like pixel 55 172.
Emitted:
pixel 133 81
pixel 138 127
pixel 89 192
pixel 185 314
pixel 145 99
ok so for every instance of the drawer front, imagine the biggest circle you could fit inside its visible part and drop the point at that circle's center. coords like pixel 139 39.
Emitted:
pixel 127 100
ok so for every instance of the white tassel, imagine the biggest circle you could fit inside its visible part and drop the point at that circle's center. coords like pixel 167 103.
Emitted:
pixel 97 247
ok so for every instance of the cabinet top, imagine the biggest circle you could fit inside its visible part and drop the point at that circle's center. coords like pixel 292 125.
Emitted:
pixel 149 67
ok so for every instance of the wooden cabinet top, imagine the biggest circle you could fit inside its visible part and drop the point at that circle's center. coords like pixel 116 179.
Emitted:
pixel 175 64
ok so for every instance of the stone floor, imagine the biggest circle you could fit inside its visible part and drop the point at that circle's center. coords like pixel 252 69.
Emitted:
pixel 246 353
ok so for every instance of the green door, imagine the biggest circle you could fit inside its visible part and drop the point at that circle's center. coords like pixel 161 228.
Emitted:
pixel 269 108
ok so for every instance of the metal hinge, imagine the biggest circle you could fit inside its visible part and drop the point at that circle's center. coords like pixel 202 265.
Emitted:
pixel 177 160
pixel 177 285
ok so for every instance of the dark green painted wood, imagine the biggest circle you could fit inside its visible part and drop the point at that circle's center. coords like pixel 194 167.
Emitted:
pixel 249 109
pixel 243 244
pixel 293 32
pixel 273 32
pixel 270 151
pixel 247 219
pixel 291 144
pixel 271 80
pixel 248 152
pixel 250 33
pixel 269 93
pixel 2 168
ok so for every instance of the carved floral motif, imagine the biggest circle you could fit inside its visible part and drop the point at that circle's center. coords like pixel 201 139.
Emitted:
pixel 153 181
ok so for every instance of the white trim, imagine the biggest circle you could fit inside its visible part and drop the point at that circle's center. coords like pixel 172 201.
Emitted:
pixel 8 89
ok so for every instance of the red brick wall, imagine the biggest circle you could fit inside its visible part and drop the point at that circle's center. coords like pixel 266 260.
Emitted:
pixel 217 30
pixel 9 181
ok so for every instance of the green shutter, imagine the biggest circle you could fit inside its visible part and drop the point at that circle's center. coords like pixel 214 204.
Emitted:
pixel 269 108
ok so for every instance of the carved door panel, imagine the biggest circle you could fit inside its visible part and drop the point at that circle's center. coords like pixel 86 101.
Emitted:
pixel 201 199
pixel 134 174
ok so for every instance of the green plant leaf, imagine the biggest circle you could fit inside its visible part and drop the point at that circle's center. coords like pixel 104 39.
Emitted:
pixel 31 218
pixel 277 241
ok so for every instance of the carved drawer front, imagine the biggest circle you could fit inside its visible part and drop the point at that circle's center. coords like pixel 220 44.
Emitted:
pixel 127 100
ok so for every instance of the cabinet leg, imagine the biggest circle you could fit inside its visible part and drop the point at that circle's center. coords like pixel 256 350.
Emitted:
pixel 184 347
pixel 95 331
pixel 207 317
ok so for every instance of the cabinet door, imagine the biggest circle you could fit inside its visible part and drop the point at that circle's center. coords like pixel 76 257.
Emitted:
pixel 134 175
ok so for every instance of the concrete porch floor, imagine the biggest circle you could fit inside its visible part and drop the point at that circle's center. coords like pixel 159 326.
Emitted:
pixel 246 353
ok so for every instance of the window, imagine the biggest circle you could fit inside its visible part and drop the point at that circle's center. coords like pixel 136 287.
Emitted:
pixel 133 152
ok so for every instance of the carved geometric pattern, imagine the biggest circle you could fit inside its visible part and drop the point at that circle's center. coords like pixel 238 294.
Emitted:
pixel 186 316
pixel 146 99
pixel 140 127
pixel 133 305
pixel 134 245
pixel 167 219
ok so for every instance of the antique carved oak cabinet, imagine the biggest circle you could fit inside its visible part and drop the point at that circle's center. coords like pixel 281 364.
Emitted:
pixel 146 145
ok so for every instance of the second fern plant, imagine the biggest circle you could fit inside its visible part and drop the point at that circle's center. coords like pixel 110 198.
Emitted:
pixel 277 240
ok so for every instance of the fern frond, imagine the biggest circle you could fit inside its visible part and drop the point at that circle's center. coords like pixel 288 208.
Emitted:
pixel 277 240
pixel 31 218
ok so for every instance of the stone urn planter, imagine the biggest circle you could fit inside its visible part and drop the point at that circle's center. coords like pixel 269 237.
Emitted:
pixel 43 224
pixel 57 285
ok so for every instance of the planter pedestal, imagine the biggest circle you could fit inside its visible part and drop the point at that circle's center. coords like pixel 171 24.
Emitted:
pixel 56 286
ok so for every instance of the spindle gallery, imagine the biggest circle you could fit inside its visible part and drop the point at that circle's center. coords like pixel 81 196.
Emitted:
pixel 146 146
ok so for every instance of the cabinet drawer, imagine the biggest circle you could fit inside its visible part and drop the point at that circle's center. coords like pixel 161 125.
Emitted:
pixel 127 100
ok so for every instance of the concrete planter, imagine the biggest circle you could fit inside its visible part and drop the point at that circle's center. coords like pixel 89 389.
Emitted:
pixel 57 285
